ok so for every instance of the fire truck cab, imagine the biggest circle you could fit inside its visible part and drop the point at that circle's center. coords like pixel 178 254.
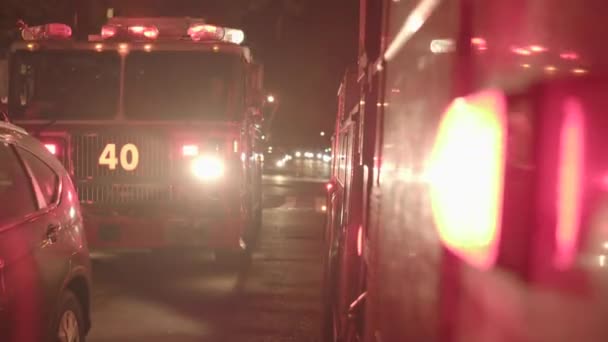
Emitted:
pixel 159 122
pixel 479 168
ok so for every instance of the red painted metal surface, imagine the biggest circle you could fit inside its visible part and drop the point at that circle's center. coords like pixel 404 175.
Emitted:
pixel 539 273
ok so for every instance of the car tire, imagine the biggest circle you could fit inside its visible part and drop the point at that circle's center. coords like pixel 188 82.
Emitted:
pixel 69 325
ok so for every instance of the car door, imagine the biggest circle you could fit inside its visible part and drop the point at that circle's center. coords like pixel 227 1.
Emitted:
pixel 53 252
pixel 21 230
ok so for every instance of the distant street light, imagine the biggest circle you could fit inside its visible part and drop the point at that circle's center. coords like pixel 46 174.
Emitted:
pixel 322 133
pixel 270 98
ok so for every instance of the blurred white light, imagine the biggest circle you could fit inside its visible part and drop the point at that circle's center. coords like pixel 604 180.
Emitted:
pixel 323 208
pixel 309 155
pixel 322 133
pixel 207 168
pixel 263 137
pixel 270 98
pixel 326 158
pixel 602 260
pixel 298 154
pixel 319 156
pixel 280 163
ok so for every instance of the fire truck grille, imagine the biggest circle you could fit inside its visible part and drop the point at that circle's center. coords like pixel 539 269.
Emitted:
pixel 124 193
pixel 151 151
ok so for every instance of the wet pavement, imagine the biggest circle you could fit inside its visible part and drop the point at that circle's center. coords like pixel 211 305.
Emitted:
pixel 187 297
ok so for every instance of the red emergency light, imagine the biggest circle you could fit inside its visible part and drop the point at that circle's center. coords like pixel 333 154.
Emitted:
pixel 206 32
pixel 135 31
pixel 467 176
pixel 149 32
pixel 51 148
pixel 55 146
pixel 108 31
pixel 48 31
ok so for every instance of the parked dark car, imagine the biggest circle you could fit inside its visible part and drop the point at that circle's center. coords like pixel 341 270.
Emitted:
pixel 45 271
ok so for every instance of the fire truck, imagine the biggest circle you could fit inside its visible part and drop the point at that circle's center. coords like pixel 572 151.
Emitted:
pixel 470 185
pixel 159 122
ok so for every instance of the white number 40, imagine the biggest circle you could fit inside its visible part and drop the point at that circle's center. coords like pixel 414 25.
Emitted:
pixel 129 157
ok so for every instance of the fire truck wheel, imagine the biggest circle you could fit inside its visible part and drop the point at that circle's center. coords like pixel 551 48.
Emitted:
pixel 253 232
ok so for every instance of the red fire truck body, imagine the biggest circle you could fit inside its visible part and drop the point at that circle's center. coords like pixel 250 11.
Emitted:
pixel 479 152
pixel 158 120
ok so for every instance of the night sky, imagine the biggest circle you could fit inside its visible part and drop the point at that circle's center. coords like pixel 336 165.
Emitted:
pixel 305 46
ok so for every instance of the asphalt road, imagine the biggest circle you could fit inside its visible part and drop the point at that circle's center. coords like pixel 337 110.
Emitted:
pixel 188 298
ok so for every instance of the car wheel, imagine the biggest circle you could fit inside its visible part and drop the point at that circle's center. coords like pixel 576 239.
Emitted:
pixel 69 320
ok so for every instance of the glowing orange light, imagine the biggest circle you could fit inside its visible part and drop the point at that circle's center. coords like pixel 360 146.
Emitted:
pixel 123 49
pixel 148 47
pixel 537 48
pixel 550 69
pixel 579 71
pixel 108 31
pixel 478 41
pixel 520 51
pixel 99 47
pixel 190 150
pixel 205 32
pixel 151 32
pixel 569 183
pixel 466 174
pixel 137 29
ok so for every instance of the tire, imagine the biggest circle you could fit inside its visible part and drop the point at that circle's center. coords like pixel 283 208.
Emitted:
pixel 68 324
pixel 232 259
pixel 252 236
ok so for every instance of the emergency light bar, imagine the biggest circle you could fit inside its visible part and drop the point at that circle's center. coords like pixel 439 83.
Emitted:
pixel 196 31
pixel 48 31
pixel 203 32
pixel 134 31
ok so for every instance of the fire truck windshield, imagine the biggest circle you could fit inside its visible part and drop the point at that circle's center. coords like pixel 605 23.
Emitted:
pixel 64 85
pixel 158 85
pixel 178 85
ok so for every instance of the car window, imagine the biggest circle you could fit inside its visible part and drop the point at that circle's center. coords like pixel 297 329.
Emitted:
pixel 16 193
pixel 47 179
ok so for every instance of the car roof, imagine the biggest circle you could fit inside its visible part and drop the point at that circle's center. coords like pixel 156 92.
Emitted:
pixel 11 127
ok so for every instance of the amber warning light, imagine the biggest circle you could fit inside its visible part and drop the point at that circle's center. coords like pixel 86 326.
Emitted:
pixel 467 175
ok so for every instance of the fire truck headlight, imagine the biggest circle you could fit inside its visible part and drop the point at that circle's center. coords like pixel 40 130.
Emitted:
pixel 207 168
